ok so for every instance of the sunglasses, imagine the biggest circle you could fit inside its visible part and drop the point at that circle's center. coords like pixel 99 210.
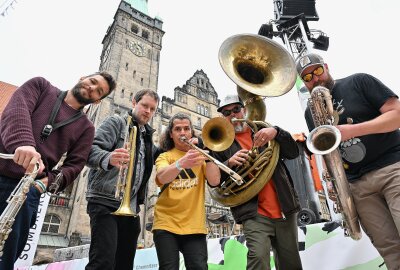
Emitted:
pixel 235 109
pixel 309 76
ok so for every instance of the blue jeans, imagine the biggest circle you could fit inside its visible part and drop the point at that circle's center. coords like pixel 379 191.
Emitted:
pixel 24 220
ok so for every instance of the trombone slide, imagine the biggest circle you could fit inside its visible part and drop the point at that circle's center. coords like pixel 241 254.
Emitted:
pixel 232 174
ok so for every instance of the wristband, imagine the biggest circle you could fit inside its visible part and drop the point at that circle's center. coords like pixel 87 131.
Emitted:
pixel 178 166
pixel 41 185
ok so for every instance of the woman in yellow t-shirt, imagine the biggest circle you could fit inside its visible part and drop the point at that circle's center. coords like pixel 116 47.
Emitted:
pixel 179 214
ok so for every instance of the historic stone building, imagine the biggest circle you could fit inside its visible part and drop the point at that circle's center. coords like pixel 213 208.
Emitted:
pixel 131 53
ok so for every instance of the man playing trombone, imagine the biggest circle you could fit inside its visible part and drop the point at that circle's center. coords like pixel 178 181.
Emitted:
pixel 179 214
pixel 114 233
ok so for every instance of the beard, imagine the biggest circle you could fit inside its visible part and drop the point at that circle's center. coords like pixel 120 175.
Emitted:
pixel 328 83
pixel 138 119
pixel 239 127
pixel 76 92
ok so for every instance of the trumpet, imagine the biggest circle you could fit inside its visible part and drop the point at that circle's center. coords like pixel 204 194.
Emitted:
pixel 232 174
pixel 124 182
pixel 15 202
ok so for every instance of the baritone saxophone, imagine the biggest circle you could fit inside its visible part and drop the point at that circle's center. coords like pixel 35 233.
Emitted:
pixel 15 202
pixel 324 140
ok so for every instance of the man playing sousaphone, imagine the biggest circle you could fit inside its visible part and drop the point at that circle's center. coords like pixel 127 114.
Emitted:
pixel 269 218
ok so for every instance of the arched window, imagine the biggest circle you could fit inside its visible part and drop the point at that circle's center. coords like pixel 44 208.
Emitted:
pixel 134 28
pixel 51 224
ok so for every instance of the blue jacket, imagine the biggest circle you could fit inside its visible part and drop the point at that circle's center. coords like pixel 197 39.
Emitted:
pixel 102 179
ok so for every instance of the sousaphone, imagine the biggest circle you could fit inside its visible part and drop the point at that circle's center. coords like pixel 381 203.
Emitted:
pixel 259 67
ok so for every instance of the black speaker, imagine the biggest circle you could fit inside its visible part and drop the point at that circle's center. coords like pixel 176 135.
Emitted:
pixel 288 9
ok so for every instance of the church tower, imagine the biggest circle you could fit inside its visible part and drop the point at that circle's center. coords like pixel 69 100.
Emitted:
pixel 131 54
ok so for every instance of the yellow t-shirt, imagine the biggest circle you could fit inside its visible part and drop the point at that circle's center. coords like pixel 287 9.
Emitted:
pixel 180 209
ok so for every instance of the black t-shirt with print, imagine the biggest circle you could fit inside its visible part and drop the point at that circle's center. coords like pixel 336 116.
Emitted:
pixel 361 96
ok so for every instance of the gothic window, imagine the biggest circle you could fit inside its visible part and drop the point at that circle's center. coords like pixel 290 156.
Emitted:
pixel 149 53
pixel 198 121
pixel 145 34
pixel 134 74
pixel 202 110
pixel 198 82
pixel 141 81
pixel 51 224
pixel 206 111
pixel 157 38
pixel 135 28
pixel 198 108
pixel 122 93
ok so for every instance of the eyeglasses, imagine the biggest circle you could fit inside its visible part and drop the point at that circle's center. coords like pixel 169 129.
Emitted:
pixel 235 109
pixel 309 76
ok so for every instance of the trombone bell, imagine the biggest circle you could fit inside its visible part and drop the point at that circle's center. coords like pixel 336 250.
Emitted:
pixel 218 134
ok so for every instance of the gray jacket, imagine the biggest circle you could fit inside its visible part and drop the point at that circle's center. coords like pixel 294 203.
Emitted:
pixel 103 177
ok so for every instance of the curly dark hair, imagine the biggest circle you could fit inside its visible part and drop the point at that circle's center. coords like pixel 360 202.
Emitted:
pixel 166 142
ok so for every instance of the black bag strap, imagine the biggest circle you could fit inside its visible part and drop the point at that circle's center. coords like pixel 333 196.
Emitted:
pixel 50 126
pixel 164 187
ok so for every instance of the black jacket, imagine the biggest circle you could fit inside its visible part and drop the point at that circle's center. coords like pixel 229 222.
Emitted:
pixel 287 196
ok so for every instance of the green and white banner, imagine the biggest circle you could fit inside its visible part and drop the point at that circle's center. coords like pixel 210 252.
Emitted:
pixel 322 246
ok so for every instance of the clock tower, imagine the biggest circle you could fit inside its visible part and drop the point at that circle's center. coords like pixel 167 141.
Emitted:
pixel 131 53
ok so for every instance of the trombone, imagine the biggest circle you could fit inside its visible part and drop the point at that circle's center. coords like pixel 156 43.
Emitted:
pixel 213 142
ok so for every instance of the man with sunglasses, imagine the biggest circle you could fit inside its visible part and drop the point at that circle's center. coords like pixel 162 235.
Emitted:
pixel 368 117
pixel 270 218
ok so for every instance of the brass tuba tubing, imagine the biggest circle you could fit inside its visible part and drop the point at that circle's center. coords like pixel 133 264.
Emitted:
pixel 232 174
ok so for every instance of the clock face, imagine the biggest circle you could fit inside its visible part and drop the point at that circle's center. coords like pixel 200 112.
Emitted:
pixel 136 48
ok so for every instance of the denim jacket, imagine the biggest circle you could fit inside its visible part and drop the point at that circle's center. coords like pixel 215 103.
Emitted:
pixel 102 177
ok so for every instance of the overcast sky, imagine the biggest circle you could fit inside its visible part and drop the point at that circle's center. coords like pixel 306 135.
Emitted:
pixel 61 41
